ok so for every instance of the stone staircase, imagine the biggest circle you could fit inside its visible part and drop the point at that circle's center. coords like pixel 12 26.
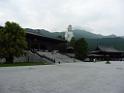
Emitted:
pixel 57 57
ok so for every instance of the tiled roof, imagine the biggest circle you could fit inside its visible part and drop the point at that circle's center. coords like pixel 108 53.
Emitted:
pixel 45 36
pixel 107 49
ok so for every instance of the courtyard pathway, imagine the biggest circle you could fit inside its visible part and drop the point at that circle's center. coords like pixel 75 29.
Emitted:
pixel 64 78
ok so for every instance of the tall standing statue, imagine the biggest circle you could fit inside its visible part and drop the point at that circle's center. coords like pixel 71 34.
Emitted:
pixel 69 34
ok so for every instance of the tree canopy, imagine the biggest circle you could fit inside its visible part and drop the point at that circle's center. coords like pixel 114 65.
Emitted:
pixel 72 42
pixel 81 48
pixel 12 41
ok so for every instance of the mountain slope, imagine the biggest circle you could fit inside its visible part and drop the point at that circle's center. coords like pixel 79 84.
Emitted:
pixel 82 33
pixel 92 39
pixel 117 43
pixel 40 32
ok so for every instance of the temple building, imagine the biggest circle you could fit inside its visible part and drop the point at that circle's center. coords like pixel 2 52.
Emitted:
pixel 106 53
pixel 40 42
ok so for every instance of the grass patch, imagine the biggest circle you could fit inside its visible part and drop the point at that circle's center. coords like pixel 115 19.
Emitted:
pixel 23 64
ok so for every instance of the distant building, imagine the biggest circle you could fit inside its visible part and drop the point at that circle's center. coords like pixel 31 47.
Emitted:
pixel 106 53
pixel 69 34
pixel 40 42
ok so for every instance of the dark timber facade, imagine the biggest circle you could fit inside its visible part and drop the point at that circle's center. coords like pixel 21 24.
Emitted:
pixel 106 53
pixel 40 42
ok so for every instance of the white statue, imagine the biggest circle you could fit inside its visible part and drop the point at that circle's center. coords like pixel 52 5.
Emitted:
pixel 69 33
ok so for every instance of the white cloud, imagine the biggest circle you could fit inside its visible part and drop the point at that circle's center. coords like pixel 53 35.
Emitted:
pixel 103 16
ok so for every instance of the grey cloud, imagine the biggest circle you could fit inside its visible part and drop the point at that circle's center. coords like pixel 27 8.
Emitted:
pixel 103 16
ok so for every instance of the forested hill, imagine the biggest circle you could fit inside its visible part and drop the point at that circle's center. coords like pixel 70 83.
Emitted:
pixel 92 39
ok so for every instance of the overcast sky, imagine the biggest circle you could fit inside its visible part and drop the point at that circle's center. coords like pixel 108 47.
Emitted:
pixel 98 16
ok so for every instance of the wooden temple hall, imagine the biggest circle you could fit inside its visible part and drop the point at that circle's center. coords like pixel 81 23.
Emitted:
pixel 106 53
pixel 40 42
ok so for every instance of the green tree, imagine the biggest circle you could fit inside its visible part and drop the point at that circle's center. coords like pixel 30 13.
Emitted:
pixel 81 48
pixel 72 42
pixel 1 42
pixel 12 41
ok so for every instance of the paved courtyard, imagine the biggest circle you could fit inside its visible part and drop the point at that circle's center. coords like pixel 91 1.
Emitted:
pixel 64 78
